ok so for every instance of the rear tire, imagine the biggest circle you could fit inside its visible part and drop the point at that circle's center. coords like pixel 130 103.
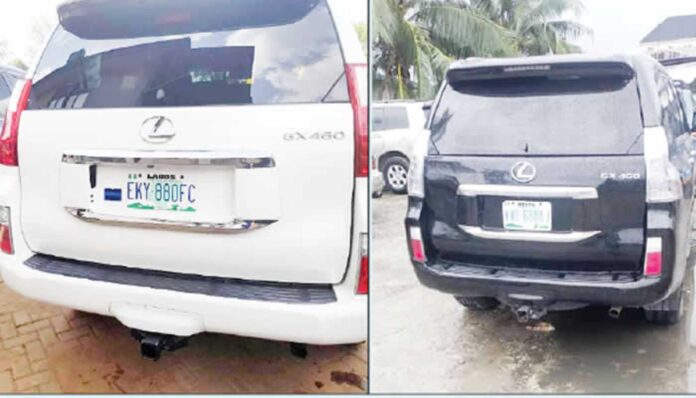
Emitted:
pixel 668 311
pixel 478 303
pixel 396 174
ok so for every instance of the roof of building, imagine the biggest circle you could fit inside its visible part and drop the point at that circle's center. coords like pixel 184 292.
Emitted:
pixel 673 28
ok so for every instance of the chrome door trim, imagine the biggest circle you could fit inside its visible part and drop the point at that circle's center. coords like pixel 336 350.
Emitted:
pixel 523 236
pixel 155 223
pixel 237 159
pixel 535 192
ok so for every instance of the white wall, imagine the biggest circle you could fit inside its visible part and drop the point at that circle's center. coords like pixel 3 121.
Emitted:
pixel 671 49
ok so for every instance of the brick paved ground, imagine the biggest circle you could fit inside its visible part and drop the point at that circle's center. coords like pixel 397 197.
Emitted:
pixel 53 350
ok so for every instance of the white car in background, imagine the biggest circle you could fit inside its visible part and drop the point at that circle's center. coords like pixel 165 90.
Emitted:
pixel 159 165
pixel 394 128
pixel 683 72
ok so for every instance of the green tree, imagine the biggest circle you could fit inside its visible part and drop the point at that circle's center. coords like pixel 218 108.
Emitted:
pixel 539 26
pixel 417 39
pixel 409 36
pixel 19 64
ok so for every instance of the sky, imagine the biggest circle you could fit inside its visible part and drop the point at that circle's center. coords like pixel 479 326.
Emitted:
pixel 620 25
pixel 16 26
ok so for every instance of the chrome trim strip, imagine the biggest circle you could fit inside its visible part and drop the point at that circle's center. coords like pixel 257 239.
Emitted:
pixel 241 159
pixel 548 237
pixel 528 191
pixel 229 227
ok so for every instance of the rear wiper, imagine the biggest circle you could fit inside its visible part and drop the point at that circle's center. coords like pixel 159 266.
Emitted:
pixel 638 138
pixel 333 86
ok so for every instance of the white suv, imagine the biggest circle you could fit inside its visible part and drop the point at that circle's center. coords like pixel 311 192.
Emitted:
pixel 394 128
pixel 159 165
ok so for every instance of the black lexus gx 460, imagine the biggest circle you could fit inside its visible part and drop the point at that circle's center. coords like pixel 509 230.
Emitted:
pixel 553 183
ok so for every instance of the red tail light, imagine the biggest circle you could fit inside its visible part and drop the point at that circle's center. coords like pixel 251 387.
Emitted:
pixel 357 88
pixel 416 241
pixel 653 257
pixel 363 279
pixel 10 127
pixel 5 231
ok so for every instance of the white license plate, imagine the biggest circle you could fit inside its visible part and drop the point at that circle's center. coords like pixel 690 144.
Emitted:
pixel 176 193
pixel 527 216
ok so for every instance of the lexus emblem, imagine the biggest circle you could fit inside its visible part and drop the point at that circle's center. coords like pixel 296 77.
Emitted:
pixel 157 130
pixel 523 172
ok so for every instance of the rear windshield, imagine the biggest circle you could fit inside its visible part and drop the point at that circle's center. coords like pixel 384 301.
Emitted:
pixel 265 58
pixel 539 115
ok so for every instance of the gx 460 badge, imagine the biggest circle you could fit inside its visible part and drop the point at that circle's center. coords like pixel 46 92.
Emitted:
pixel 325 136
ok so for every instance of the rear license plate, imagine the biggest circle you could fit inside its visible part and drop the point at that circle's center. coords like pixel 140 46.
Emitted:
pixel 176 193
pixel 527 216
pixel 164 192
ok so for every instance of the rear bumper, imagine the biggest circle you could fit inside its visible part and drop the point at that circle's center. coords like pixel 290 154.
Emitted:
pixel 343 321
pixel 471 281
pixel 565 289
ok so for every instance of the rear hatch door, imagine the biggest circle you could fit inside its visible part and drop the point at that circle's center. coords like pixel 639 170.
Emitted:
pixel 211 139
pixel 539 167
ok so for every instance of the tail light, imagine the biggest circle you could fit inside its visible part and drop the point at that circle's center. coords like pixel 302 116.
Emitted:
pixel 357 88
pixel 663 182
pixel 10 128
pixel 417 248
pixel 363 278
pixel 416 173
pixel 5 231
pixel 653 257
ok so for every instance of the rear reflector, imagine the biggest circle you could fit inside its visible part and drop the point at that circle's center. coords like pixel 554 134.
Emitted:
pixel 417 250
pixel 5 231
pixel 357 88
pixel 10 128
pixel 653 257
pixel 363 278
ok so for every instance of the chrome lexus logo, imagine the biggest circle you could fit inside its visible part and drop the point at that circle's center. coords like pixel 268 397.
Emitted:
pixel 523 172
pixel 157 130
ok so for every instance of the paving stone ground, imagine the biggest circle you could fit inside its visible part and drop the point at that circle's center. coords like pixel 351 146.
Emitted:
pixel 48 349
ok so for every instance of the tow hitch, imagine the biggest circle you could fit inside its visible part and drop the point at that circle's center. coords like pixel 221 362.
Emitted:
pixel 526 313
pixel 152 344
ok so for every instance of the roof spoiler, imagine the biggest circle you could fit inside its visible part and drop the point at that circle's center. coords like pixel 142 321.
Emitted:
pixel 565 69
pixel 119 19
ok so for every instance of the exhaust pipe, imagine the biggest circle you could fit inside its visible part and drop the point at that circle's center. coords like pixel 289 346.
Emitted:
pixel 615 312
pixel 152 344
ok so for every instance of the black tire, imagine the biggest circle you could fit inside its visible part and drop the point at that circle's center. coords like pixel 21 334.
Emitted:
pixel 478 303
pixel 668 311
pixel 395 172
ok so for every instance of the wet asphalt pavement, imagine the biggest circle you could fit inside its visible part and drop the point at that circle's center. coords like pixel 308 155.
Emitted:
pixel 424 341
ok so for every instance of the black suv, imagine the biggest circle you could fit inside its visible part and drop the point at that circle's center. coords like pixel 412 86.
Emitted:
pixel 553 183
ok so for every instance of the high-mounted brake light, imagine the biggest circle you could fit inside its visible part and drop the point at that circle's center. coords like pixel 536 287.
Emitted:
pixel 417 249
pixel 653 257
pixel 363 278
pixel 10 128
pixel 357 89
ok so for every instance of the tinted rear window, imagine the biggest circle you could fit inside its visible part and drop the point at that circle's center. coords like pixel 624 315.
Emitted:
pixel 263 59
pixel 539 115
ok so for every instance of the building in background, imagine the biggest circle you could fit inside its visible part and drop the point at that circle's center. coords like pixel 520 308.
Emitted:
pixel 675 37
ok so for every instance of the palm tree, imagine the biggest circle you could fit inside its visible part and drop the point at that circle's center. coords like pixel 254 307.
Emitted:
pixel 540 26
pixel 408 49
pixel 417 39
